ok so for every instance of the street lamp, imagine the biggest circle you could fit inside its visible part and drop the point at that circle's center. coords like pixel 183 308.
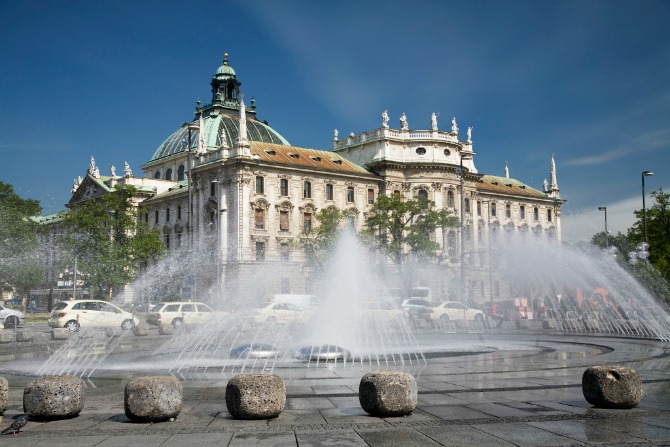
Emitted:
pixel 218 238
pixel 460 173
pixel 191 127
pixel 644 209
pixel 607 243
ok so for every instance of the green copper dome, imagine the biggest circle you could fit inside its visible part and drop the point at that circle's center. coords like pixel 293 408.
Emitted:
pixel 215 127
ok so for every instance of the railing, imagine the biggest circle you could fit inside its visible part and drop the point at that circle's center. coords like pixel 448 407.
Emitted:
pixel 392 133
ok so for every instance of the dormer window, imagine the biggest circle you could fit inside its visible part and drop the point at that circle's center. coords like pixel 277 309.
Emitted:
pixel 337 161
pixel 270 152
pixel 315 158
pixel 293 155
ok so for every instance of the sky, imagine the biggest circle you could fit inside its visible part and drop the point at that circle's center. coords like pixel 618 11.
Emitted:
pixel 586 80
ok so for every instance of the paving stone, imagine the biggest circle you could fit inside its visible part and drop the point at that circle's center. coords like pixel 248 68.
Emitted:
pixel 523 434
pixel 396 438
pixel 198 440
pixel 134 441
pixel 462 436
pixel 281 439
pixel 340 438
pixel 454 412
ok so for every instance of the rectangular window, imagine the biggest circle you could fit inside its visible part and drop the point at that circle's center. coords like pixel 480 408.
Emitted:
pixel 522 212
pixel 350 194
pixel 260 187
pixel 450 199
pixel 167 214
pixel 283 221
pixel 479 208
pixel 212 189
pixel 329 191
pixel 467 205
pixel 179 240
pixel 508 211
pixel 307 190
pixel 371 196
pixel 493 210
pixel 396 194
pixel 178 212
pixel 260 251
pixel 167 240
pixel 156 217
pixel 307 222
pixel 284 252
pixel 549 215
pixel 283 187
pixel 536 213
pixel 259 220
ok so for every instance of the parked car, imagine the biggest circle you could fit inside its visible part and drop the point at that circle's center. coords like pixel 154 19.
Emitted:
pixel 282 313
pixel 10 318
pixel 179 313
pixel 74 314
pixel 412 303
pixel 453 310
pixel 382 311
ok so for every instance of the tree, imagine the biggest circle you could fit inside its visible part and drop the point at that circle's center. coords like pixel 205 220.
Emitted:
pixel 109 240
pixel 319 240
pixel 20 269
pixel 658 231
pixel 401 227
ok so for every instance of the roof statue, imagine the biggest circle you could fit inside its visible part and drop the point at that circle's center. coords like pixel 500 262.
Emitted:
pixel 126 169
pixel 454 127
pixel 553 183
pixel 93 170
pixel 223 141
pixel 433 122
pixel 76 184
pixel 506 170
pixel 469 134
pixel 403 122
pixel 385 119
pixel 546 185
pixel 113 170
pixel 335 134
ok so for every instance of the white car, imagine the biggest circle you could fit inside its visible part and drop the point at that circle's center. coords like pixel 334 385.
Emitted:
pixel 180 313
pixel 282 313
pixel 75 314
pixel 453 310
pixel 10 318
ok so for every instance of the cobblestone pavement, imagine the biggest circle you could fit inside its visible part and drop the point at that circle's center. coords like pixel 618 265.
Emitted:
pixel 527 395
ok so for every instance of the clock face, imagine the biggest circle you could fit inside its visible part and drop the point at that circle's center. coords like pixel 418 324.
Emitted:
pixel 458 171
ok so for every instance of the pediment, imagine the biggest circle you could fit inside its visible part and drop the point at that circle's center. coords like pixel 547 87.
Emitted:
pixel 89 188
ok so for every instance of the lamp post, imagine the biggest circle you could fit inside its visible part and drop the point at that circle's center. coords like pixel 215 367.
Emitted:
pixel 607 241
pixel 460 172
pixel 191 127
pixel 218 238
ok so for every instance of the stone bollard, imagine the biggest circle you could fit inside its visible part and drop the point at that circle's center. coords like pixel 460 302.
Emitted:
pixel 388 393
pixel 60 333
pixel 4 395
pixel 7 335
pixel 571 324
pixel 255 396
pixel 549 323
pixel 24 335
pixel 522 324
pixel 141 329
pixel 54 397
pixel 165 329
pixel 634 325
pixel 612 386
pixel 153 398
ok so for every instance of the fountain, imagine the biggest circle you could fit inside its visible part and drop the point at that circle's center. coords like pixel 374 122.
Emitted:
pixel 354 327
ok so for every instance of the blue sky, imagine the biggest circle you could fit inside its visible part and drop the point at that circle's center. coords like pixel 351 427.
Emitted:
pixel 586 80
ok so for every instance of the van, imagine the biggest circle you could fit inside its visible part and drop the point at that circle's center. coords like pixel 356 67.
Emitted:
pixel 302 301
pixel 423 293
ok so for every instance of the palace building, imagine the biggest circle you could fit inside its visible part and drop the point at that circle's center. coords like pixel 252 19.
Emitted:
pixel 229 186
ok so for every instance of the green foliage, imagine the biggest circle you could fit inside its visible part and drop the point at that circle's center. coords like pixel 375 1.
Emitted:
pixel 109 241
pixel 319 241
pixel 658 231
pixel 20 268
pixel 401 227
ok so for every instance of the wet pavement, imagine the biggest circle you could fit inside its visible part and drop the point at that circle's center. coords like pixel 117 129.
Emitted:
pixel 526 391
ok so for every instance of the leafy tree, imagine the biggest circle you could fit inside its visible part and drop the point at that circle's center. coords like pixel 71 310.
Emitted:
pixel 658 232
pixel 20 269
pixel 319 240
pixel 109 241
pixel 400 227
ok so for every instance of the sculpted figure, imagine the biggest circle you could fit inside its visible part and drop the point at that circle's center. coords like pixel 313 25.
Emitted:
pixel 433 121
pixel 385 119
pixel 454 127
pixel 126 169
pixel 469 133
pixel 403 122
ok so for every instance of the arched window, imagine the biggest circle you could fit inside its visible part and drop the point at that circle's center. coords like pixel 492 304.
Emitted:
pixel 168 174
pixel 180 173
pixel 423 193
pixel 157 174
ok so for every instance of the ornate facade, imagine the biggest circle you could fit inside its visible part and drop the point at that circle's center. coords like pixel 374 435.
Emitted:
pixel 252 193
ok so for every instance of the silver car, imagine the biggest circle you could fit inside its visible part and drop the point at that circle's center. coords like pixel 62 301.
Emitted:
pixel 10 318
